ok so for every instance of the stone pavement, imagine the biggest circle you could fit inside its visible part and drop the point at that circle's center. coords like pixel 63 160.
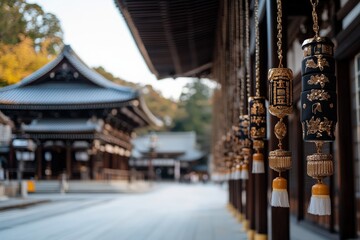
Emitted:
pixel 170 212
pixel 11 203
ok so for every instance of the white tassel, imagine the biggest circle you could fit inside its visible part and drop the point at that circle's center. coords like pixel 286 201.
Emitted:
pixel 237 174
pixel 320 203
pixel 279 196
pixel 244 172
pixel 258 163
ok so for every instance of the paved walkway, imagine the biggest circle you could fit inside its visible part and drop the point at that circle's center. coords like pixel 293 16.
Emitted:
pixel 170 212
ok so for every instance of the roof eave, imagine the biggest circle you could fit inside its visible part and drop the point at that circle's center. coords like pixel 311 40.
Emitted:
pixel 134 32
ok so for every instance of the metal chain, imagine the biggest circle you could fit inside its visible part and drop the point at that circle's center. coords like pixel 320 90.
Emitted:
pixel 314 4
pixel 257 49
pixel 247 43
pixel 237 60
pixel 242 77
pixel 279 34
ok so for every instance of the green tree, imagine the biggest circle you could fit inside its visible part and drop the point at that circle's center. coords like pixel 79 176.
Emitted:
pixel 161 107
pixel 19 18
pixel 194 112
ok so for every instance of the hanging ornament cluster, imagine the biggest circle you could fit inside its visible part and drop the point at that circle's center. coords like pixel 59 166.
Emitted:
pixel 280 105
pixel 257 108
pixel 318 118
pixel 237 154
pixel 245 144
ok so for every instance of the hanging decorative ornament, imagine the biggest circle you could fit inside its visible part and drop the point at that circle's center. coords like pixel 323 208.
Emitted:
pixel 318 118
pixel 244 74
pixel 257 107
pixel 280 105
pixel 245 146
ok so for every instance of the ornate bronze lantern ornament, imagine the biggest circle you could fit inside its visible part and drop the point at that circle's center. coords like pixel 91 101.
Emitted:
pixel 318 118
pixel 280 105
pixel 257 109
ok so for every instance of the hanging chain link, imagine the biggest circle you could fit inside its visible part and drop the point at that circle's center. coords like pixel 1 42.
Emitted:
pixel 279 34
pixel 242 77
pixel 257 49
pixel 314 4
pixel 247 39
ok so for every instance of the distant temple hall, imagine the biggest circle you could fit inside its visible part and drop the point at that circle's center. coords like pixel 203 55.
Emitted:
pixel 167 155
pixel 69 119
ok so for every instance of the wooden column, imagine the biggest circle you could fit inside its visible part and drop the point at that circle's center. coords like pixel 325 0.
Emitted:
pixel 261 203
pixel 68 160
pixel 280 221
pixel 347 203
pixel 250 202
pixel 261 181
pixel 39 159
pixel 238 197
pixel 11 164
pixel 240 203
pixel 300 166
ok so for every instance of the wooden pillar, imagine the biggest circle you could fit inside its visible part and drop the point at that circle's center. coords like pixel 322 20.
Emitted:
pixel 280 220
pixel 68 160
pixel 261 181
pixel 12 164
pixel 230 191
pixel 92 159
pixel 240 203
pixel 237 196
pixel 347 200
pixel 261 203
pixel 39 159
pixel 250 202
pixel 300 166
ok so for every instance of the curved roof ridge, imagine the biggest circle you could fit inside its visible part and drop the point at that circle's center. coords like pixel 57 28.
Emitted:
pixel 153 119
pixel 68 53
pixel 91 74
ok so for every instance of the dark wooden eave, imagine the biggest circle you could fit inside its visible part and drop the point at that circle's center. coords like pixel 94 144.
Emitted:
pixel 176 38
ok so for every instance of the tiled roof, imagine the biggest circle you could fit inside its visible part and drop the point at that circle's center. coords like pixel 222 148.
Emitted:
pixel 94 90
pixel 183 143
pixel 57 94
pixel 67 83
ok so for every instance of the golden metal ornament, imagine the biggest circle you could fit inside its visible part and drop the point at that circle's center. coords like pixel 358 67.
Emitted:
pixel 280 105
pixel 318 100
pixel 280 101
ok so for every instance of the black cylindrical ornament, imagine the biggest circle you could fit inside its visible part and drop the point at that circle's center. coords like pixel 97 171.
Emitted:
pixel 257 110
pixel 318 97
pixel 244 131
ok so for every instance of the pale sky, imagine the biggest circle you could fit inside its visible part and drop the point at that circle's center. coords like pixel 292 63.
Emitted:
pixel 97 32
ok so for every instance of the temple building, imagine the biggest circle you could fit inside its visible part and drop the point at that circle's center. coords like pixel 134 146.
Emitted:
pixel 70 120
pixel 166 155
